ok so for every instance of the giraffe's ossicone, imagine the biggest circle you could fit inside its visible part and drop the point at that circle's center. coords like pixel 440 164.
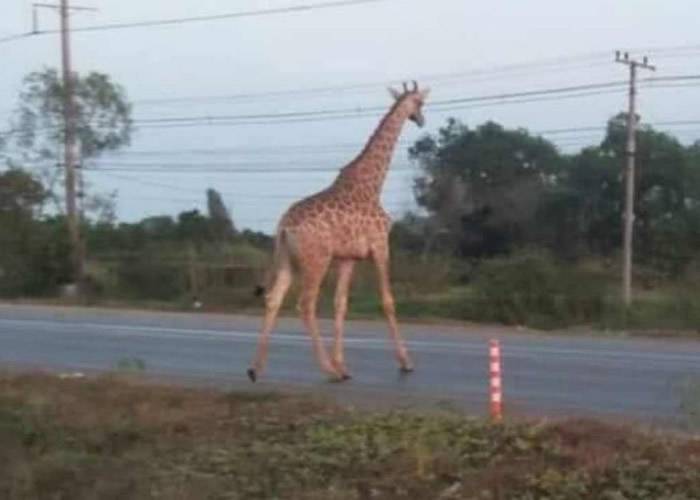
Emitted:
pixel 343 223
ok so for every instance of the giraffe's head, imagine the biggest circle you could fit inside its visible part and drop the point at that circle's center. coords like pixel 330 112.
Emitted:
pixel 413 100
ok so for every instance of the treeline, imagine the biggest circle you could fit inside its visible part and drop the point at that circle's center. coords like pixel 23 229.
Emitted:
pixel 491 191
pixel 152 258
pixel 509 229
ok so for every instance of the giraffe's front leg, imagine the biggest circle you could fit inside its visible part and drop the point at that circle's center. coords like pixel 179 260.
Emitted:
pixel 345 268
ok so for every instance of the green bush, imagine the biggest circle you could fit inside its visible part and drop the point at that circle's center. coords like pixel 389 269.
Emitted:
pixel 690 401
pixel 664 310
pixel 146 278
pixel 531 288
pixel 34 257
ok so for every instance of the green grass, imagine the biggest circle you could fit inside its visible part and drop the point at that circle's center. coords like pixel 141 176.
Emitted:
pixel 529 288
pixel 690 401
pixel 112 439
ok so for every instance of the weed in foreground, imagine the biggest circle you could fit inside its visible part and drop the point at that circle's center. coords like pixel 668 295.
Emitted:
pixel 112 438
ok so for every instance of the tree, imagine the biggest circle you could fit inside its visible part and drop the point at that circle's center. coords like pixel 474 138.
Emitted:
pixel 102 111
pixel 584 212
pixel 192 226
pixel 483 186
pixel 219 218
pixel 666 225
pixel 33 253
pixel 20 194
pixel 103 115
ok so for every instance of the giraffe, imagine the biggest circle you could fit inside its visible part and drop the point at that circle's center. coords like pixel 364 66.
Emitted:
pixel 342 224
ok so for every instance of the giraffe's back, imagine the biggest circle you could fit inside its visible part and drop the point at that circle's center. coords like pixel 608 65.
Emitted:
pixel 336 225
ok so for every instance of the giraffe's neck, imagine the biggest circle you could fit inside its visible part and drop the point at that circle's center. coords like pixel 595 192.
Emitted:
pixel 368 171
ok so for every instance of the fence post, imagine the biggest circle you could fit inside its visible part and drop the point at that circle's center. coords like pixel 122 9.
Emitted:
pixel 495 381
pixel 193 276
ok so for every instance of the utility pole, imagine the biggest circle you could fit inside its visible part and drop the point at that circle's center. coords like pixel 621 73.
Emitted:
pixel 80 175
pixel 71 151
pixel 630 152
pixel 69 145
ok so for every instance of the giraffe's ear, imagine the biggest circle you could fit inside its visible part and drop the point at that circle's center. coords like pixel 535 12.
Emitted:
pixel 424 93
pixel 394 93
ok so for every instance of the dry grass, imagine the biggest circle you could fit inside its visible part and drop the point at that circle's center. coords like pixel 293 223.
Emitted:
pixel 114 438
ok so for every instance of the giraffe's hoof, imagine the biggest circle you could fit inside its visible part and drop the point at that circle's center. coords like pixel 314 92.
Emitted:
pixel 338 378
pixel 341 370
pixel 405 370
pixel 252 374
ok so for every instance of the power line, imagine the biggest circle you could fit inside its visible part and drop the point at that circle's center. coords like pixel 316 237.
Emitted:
pixel 333 148
pixel 456 77
pixel 557 63
pixel 164 168
pixel 198 19
pixel 476 74
pixel 12 38
pixel 532 93
pixel 660 51
pixel 573 91
pixel 373 109
pixel 672 86
pixel 308 149
pixel 336 148
pixel 569 91
pixel 139 180
pixel 455 103
pixel 337 114
pixel 260 116
pixel 220 164
pixel 593 128
pixel 598 58
pixel 151 183
pixel 331 115
pixel 231 15
pixel 362 115
pixel 110 173
pixel 235 203
pixel 670 78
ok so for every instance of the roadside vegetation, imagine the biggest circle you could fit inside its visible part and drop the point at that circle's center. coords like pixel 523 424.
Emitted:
pixel 113 438
pixel 509 229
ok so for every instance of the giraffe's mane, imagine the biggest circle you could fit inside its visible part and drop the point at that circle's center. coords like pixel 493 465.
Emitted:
pixel 381 125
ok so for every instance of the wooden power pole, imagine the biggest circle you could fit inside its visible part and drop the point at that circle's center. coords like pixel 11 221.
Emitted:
pixel 71 150
pixel 630 152
pixel 70 153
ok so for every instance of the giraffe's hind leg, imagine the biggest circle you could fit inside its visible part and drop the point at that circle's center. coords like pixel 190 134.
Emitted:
pixel 313 271
pixel 345 268
pixel 273 302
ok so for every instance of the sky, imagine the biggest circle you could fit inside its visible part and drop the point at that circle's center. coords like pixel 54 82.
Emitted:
pixel 258 65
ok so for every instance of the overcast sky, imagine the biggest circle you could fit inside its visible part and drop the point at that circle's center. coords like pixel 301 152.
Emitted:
pixel 213 62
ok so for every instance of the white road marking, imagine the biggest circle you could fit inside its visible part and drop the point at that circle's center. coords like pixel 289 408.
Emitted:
pixel 383 344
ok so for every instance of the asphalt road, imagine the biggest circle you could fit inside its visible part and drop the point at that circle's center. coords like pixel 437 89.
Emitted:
pixel 640 379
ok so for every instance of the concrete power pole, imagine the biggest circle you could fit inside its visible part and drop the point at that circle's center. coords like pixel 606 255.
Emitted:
pixel 630 152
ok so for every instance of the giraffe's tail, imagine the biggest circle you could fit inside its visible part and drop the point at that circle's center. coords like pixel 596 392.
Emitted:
pixel 280 258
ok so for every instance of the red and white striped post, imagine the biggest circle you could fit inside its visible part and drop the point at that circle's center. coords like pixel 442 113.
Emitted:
pixel 496 386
